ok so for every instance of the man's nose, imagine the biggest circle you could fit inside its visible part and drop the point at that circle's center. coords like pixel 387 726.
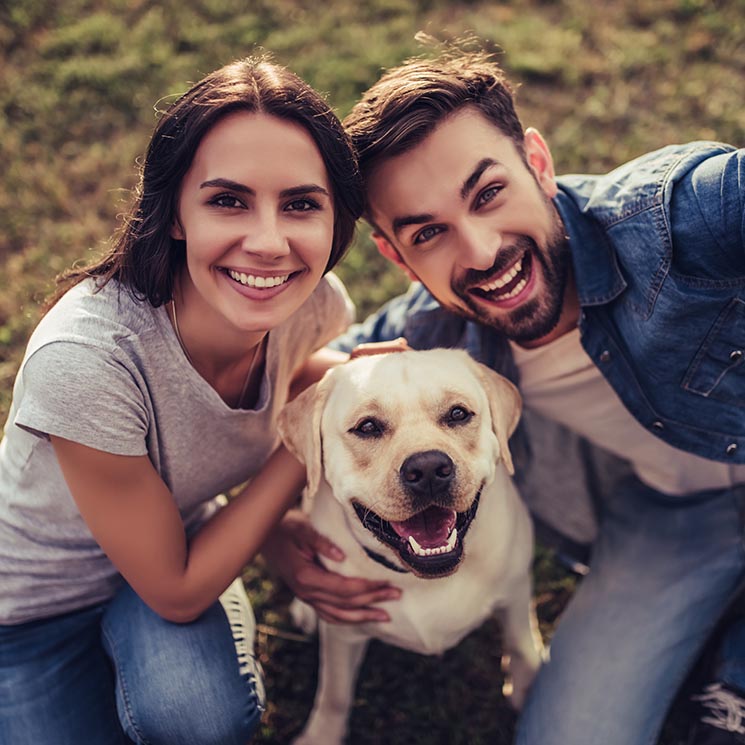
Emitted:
pixel 479 246
pixel 264 237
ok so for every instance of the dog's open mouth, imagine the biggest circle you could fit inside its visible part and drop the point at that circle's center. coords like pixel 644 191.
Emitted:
pixel 430 542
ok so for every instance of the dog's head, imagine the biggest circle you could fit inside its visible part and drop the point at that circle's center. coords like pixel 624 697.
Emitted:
pixel 407 442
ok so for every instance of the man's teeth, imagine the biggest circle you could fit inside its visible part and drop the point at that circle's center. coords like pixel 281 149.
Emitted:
pixel 251 280
pixel 506 278
pixel 449 546
pixel 516 290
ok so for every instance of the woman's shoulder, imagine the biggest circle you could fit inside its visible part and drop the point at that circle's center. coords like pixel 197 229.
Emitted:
pixel 106 316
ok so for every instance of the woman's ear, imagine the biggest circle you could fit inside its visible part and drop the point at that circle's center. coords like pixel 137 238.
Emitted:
pixel 540 161
pixel 177 232
pixel 390 253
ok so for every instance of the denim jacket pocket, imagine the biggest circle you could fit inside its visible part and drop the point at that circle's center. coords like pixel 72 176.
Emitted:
pixel 718 369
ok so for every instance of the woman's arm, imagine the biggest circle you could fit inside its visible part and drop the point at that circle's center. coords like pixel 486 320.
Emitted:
pixel 134 518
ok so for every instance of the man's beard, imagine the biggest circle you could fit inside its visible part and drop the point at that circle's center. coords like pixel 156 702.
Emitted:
pixel 538 316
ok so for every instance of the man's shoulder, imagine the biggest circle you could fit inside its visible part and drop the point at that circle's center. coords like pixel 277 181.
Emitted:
pixel 640 183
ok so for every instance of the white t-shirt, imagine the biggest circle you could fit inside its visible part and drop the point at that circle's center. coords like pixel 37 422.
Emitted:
pixel 561 382
pixel 107 371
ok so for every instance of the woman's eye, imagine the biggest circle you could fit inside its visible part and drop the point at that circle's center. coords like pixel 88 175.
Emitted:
pixel 459 415
pixel 369 428
pixel 302 205
pixel 427 234
pixel 488 195
pixel 226 200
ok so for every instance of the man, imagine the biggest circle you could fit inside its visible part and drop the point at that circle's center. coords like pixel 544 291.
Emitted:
pixel 618 302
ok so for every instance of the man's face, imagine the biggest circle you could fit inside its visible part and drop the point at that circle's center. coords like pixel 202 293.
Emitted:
pixel 475 224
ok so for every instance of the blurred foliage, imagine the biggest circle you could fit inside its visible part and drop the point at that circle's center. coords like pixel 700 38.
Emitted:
pixel 80 82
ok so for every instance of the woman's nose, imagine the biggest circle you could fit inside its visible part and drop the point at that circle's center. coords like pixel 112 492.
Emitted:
pixel 265 238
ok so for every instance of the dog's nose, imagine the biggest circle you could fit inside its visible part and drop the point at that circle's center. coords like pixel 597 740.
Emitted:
pixel 428 474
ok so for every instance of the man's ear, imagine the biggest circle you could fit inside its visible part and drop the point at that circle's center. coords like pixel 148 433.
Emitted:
pixel 390 253
pixel 540 161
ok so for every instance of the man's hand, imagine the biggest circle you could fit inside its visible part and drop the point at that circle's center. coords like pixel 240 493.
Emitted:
pixel 380 347
pixel 291 551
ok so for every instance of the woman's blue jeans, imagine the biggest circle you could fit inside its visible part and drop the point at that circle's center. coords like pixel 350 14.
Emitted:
pixel 662 573
pixel 118 672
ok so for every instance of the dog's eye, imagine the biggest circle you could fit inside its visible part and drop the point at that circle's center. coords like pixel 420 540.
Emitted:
pixel 369 428
pixel 458 415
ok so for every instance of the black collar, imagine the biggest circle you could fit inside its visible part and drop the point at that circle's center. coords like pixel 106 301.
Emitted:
pixel 384 562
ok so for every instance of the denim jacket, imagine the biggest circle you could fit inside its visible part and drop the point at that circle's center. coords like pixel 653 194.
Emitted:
pixel 658 248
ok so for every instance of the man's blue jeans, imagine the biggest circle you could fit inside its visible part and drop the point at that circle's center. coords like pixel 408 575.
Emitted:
pixel 663 571
pixel 116 673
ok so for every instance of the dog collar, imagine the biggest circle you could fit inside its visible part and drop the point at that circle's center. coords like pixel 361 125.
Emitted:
pixel 382 560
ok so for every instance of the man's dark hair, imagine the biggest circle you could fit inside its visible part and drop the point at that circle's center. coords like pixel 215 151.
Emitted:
pixel 410 100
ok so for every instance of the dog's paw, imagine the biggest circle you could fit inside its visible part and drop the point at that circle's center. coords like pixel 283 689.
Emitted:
pixel 311 736
pixel 304 617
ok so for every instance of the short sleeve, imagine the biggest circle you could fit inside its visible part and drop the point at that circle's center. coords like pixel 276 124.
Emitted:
pixel 334 312
pixel 83 393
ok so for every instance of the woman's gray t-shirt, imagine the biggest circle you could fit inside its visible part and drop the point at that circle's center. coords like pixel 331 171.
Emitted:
pixel 107 371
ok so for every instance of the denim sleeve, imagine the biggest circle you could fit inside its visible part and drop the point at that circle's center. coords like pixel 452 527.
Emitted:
pixel 708 217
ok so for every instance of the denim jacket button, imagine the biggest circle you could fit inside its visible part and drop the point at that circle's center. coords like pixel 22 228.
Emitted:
pixel 731 448
pixel 605 356
pixel 658 425
pixel 735 355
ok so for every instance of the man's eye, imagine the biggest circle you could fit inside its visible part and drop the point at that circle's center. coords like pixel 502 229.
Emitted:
pixel 369 427
pixel 458 415
pixel 488 195
pixel 427 234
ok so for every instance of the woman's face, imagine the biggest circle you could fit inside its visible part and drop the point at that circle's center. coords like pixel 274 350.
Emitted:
pixel 256 212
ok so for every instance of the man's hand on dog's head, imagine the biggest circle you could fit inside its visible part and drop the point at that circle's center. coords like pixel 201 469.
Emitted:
pixel 380 347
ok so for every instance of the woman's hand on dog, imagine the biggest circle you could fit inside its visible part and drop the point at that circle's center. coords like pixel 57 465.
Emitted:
pixel 292 550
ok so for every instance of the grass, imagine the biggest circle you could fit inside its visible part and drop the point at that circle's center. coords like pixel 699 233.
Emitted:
pixel 603 82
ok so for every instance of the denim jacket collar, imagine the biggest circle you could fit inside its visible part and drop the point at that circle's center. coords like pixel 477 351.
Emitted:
pixel 598 276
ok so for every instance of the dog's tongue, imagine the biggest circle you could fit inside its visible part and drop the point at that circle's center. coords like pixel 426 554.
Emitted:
pixel 430 528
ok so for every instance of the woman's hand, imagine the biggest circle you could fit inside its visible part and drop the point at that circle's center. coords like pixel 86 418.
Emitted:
pixel 292 550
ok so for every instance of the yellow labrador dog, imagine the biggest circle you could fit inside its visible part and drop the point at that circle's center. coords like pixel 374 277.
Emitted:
pixel 409 473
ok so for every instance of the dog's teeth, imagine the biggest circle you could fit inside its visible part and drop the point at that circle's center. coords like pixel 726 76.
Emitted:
pixel 419 551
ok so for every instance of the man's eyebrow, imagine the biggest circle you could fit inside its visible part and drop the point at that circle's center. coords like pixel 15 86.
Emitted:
pixel 399 223
pixel 473 179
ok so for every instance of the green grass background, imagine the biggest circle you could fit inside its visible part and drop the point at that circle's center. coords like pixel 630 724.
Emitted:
pixel 79 80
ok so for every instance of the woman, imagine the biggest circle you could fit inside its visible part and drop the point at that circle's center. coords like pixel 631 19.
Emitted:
pixel 152 385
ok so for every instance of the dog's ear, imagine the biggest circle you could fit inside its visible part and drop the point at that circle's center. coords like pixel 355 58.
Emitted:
pixel 505 406
pixel 299 426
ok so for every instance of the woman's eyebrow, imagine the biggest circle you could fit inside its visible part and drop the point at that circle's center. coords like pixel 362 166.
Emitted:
pixel 304 189
pixel 226 183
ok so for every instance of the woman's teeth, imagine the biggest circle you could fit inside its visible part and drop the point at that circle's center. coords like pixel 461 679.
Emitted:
pixel 250 280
